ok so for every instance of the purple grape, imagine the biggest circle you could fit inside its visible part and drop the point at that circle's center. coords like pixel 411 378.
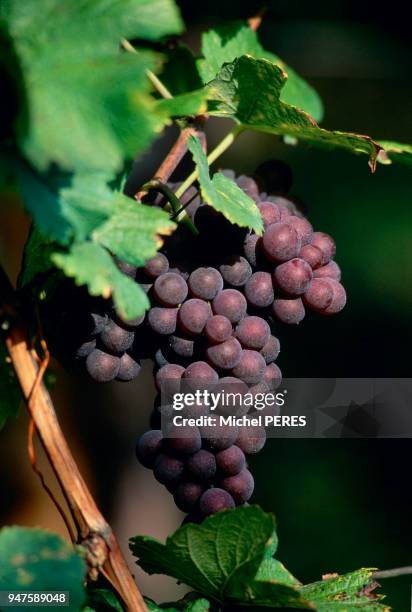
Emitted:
pixel 162 320
pixel 202 465
pixel 187 495
pixel 312 255
pixel 168 372
pixel 234 391
pixel 160 357
pixel 101 366
pixel 235 271
pixel 231 304
pixel 184 347
pixel 148 447
pixel 98 321
pixel 253 332
pixel 130 324
pixel 129 368
pixel 170 289
pixel 183 440
pixel 325 244
pixel 251 439
pixel 240 486
pixel 126 268
pixel 193 316
pixel 319 294
pixel 338 300
pixel 271 349
pixel 290 311
pixel 286 206
pixel 219 437
pixel 281 242
pixel 156 266
pixel 230 461
pixel 226 355
pixel 330 270
pixel 259 290
pixel 214 500
pixel 272 376
pixel 168 470
pixel 218 329
pixel 251 248
pixel 200 372
pixel 86 348
pixel 303 228
pixel 205 283
pixel 250 368
pixel 249 186
pixel 293 277
pixel 116 339
pixel 270 213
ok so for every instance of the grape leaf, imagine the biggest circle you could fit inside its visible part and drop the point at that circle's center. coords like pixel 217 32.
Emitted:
pixel 395 151
pixel 10 395
pixel 248 91
pixel 36 258
pixel 272 569
pixel 190 603
pixel 191 103
pixel 36 560
pixel 90 264
pixel 180 73
pixel 102 600
pixel 132 232
pixel 223 194
pixel 230 41
pixel 72 113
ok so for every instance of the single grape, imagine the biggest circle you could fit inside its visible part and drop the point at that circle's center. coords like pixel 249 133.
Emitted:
pixel 115 338
pixel 226 355
pixel 233 393
pixel 102 366
pixel 290 311
pixel 184 347
pixel 214 500
pixel 218 329
pixel 167 373
pixel 287 206
pixel 235 271
pixel 259 290
pixel 168 470
pixel 98 321
pixel 326 244
pixel 330 270
pixel 249 186
pixel 170 289
pixel 230 461
pixel 251 248
pixel 303 228
pixel 250 368
pixel 187 495
pixel 293 276
pixel 157 265
pixel 231 174
pixel 272 376
pixel 319 294
pixel 271 349
pixel 253 332
pixel 183 440
pixel 162 320
pixel 251 439
pixel 200 372
pixel 205 283
pixel 130 324
pixel 275 175
pixel 281 242
pixel 231 304
pixel 270 213
pixel 193 316
pixel 240 486
pixel 148 447
pixel 338 300
pixel 129 368
pixel 85 348
pixel 202 465
pixel 312 255
pixel 126 268
pixel 218 437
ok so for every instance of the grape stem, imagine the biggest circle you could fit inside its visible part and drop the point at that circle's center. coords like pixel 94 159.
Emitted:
pixel 175 204
pixel 155 81
pixel 103 551
pixel 223 145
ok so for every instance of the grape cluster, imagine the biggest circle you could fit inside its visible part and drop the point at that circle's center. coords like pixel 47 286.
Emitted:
pixel 215 298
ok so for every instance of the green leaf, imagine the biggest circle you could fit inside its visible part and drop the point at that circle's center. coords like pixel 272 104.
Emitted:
pixel 248 91
pixel 132 232
pixel 37 257
pixel 223 194
pixel 190 603
pixel 395 151
pixel 36 560
pixel 90 264
pixel 180 73
pixel 191 103
pixel 102 600
pixel 72 113
pixel 345 593
pixel 230 41
pixel 272 569
pixel 10 394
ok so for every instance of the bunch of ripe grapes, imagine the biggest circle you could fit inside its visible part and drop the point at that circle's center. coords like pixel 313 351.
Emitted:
pixel 214 299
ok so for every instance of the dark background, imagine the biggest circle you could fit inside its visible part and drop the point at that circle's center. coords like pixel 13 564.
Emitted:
pixel 339 504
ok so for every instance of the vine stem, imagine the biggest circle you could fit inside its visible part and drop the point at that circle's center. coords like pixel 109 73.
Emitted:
pixel 393 573
pixel 95 532
pixel 223 145
pixel 155 81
